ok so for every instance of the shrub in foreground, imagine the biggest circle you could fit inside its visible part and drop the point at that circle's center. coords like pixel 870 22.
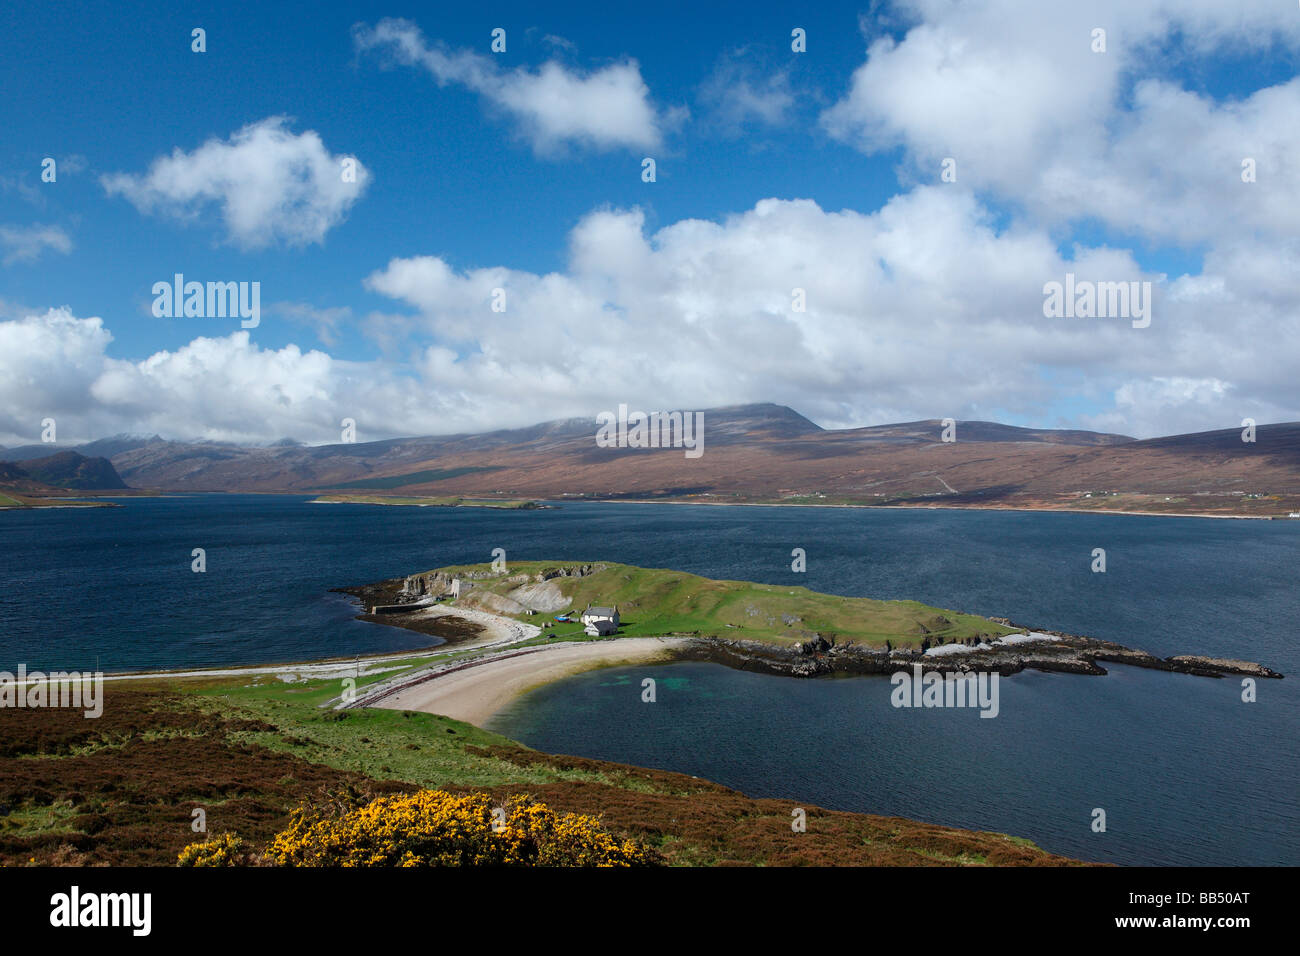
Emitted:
pixel 225 850
pixel 436 828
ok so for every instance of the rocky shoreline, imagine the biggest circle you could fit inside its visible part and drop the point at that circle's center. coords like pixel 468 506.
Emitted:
pixel 449 628
pixel 1055 652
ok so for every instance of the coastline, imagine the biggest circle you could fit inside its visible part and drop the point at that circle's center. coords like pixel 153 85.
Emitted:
pixel 502 665
pixel 778 504
pixel 488 659
pixel 549 502
pixel 477 689
pixel 474 690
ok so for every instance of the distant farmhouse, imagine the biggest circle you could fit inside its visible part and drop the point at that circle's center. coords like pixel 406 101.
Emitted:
pixel 593 614
pixel 600 621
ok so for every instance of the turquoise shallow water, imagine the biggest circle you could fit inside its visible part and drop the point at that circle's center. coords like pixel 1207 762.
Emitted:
pixel 1185 771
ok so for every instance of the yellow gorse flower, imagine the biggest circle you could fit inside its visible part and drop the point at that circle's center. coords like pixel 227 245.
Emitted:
pixel 436 828
pixel 222 851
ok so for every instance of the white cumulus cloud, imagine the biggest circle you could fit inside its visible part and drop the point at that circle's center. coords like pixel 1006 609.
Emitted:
pixel 927 308
pixel 1013 91
pixel 554 105
pixel 270 185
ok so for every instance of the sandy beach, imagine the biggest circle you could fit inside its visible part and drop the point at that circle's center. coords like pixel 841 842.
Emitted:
pixel 475 693
pixel 498 630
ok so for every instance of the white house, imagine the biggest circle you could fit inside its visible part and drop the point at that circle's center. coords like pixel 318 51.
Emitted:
pixel 594 614
pixel 602 628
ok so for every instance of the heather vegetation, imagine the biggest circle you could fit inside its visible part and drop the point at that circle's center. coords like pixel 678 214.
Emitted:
pixel 253 752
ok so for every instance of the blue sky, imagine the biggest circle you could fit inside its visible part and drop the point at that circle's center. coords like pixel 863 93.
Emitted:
pixel 451 178
pixel 911 313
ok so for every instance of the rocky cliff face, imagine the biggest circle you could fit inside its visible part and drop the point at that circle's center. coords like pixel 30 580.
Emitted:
pixel 528 592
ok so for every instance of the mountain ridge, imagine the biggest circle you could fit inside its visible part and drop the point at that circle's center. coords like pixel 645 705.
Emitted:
pixel 757 453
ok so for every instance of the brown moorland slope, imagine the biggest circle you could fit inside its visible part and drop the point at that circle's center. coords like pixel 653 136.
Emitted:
pixel 769 453
pixel 121 790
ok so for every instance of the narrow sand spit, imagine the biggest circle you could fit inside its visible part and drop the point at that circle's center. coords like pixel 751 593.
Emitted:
pixel 497 630
pixel 475 693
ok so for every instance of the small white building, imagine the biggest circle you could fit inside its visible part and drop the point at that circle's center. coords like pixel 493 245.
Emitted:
pixel 594 614
pixel 601 628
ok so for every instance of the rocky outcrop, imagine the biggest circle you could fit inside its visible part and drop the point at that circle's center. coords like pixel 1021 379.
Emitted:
pixel 545 596
pixel 1066 653
pixel 571 571
pixel 494 603
pixel 530 592
pixel 439 582
pixel 814 645
pixel 1214 666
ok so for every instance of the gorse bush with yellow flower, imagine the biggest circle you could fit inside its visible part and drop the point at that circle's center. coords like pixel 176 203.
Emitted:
pixel 225 850
pixel 436 828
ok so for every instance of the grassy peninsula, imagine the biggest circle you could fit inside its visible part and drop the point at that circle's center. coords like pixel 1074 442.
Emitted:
pixel 655 602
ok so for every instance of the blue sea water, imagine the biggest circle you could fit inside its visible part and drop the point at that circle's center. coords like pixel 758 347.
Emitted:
pixel 1184 770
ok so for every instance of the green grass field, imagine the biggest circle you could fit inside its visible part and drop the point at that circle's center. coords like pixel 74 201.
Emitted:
pixel 424 749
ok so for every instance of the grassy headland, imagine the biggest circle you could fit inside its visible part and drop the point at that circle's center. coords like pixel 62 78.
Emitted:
pixel 655 602
pixel 780 629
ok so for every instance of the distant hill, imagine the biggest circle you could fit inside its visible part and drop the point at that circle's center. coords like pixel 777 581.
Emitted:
pixel 764 453
pixel 100 448
pixel 10 472
pixel 477 460
pixel 1277 442
pixel 62 470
